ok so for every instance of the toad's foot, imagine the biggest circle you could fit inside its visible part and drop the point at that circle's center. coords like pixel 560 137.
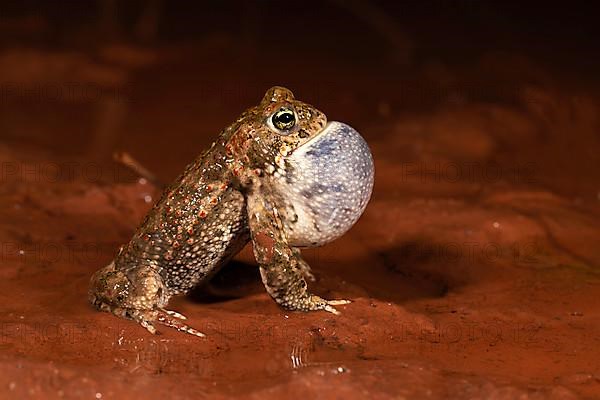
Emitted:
pixel 304 301
pixel 147 319
pixel 174 314
pixel 327 305
pixel 173 320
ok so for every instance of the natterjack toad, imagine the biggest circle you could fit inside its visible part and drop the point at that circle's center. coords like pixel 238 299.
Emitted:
pixel 280 176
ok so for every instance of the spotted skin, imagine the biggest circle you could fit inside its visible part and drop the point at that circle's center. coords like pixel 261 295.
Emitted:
pixel 240 191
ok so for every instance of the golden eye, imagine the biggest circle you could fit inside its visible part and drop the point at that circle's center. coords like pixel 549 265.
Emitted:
pixel 284 119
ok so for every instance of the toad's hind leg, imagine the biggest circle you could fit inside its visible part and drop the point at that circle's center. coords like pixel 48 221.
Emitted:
pixel 281 267
pixel 138 294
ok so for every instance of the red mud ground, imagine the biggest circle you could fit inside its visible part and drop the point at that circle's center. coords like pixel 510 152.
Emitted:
pixel 474 271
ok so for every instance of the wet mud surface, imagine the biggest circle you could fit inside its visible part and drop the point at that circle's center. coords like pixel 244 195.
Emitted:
pixel 474 272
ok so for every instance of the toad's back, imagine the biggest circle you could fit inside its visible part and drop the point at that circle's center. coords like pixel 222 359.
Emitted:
pixel 198 224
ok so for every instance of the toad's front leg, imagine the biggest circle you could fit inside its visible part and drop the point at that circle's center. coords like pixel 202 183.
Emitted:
pixel 303 265
pixel 280 265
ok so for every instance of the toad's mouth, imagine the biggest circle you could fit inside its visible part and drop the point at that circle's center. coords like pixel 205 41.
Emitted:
pixel 331 129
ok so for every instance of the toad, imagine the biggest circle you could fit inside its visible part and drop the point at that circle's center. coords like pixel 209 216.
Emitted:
pixel 280 176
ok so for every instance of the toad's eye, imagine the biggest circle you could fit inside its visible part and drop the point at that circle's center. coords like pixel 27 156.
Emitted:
pixel 284 119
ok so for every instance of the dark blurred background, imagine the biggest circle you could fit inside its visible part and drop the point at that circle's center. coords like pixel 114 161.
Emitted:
pixel 159 79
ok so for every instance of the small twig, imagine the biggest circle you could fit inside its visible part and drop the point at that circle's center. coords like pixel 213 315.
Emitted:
pixel 128 161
